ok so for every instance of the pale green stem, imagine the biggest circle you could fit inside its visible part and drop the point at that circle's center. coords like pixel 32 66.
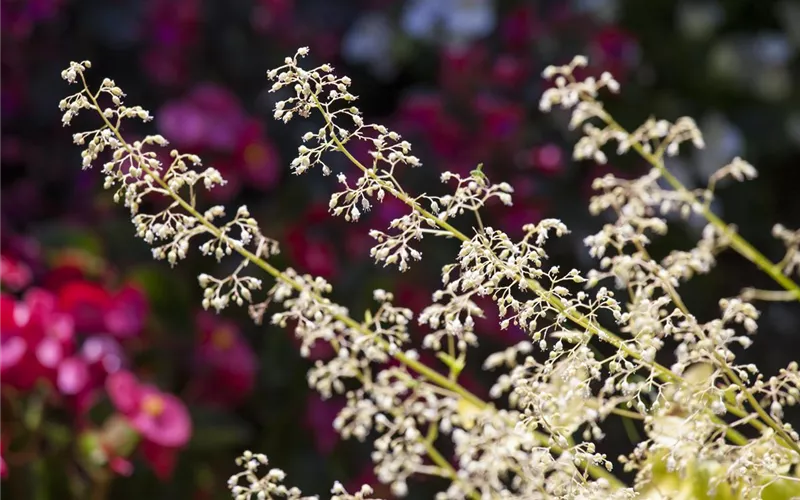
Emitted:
pixel 662 372
pixel 738 243
pixel 412 364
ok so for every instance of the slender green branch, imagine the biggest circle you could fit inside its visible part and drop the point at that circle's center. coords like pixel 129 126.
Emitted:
pixel 412 364
pixel 738 243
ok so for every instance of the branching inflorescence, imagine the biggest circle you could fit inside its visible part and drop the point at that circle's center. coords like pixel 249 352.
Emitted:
pixel 545 445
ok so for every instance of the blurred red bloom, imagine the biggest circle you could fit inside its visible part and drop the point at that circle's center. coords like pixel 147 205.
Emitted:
pixel 87 302
pixel 95 310
pixel 225 363
pixel 35 339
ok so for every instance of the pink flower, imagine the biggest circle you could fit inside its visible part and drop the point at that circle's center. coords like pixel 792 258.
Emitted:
pixel 226 364
pixel 127 312
pixel 124 391
pixel 103 355
pixel 159 417
pixel 14 274
pixel 547 158
pixel 210 117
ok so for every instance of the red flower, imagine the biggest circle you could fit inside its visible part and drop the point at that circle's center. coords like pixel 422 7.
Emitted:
pixel 520 27
pixel 162 459
pixel 226 364
pixel 87 303
pixel 35 339
pixel 95 310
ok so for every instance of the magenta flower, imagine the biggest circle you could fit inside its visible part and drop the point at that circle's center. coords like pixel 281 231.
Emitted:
pixel 159 417
pixel 14 273
pixel 124 391
pixel 126 313
pixel 103 355
pixel 35 339
pixel 226 364
pixel 547 158
pixel 210 117
pixel 3 466
pixel 259 162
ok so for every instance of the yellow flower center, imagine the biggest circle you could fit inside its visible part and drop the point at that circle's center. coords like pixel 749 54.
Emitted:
pixel 254 154
pixel 222 339
pixel 153 405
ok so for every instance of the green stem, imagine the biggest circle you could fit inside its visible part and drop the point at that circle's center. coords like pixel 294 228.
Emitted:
pixel 738 243
pixel 662 372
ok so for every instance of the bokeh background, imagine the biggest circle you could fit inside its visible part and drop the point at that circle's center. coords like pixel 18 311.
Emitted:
pixel 458 78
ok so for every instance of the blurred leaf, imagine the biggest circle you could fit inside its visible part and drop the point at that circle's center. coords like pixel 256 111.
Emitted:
pixel 62 236
pixel 164 293
pixel 215 430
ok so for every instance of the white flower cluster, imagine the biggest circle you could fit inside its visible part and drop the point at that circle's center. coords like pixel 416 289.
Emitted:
pixel 546 443
pixel 249 485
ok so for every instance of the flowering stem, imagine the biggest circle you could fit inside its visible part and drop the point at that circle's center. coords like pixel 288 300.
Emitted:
pixel 663 373
pixel 412 364
pixel 738 243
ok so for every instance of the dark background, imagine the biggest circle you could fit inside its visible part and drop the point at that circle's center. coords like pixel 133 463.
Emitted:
pixel 462 85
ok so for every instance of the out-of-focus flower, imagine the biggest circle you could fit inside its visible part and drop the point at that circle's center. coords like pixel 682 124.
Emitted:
pixel 104 356
pixel 95 310
pixel 35 339
pixel 548 158
pixel 3 466
pixel 160 418
pixel 312 253
pixel 127 312
pixel 87 303
pixel 14 274
pixel 459 20
pixel 226 365
pixel 172 28
pixel 369 42
pixel 256 158
pixel 210 117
